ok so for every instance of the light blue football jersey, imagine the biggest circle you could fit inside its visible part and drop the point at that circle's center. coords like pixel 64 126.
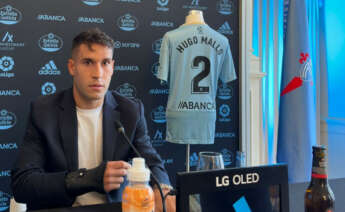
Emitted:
pixel 192 59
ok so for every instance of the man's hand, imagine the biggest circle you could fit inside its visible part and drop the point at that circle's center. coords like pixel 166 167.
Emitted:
pixel 170 201
pixel 114 173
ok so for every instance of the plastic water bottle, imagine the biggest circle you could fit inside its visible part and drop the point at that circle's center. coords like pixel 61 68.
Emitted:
pixel 138 195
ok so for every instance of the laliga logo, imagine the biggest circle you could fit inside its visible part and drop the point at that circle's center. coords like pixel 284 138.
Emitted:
pixel 127 22
pixel 224 110
pixel 158 115
pixel 10 15
pixel 4 201
pixel 92 2
pixel 7 120
pixel 305 75
pixel 6 63
pixel 156 46
pixel 50 43
pixel 48 88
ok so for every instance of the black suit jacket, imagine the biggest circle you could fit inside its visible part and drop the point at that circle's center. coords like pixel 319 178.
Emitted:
pixel 50 147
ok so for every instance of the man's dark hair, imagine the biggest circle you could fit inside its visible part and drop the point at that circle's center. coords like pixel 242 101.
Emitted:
pixel 92 36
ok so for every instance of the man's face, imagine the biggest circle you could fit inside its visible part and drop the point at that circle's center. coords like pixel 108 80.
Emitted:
pixel 91 70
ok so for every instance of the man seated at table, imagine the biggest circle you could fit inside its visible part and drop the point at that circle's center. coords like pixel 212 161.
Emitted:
pixel 72 153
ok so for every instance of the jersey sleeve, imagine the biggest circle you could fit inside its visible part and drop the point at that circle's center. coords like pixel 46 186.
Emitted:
pixel 228 72
pixel 164 60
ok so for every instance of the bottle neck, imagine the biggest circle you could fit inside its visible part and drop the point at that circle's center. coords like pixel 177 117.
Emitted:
pixel 319 175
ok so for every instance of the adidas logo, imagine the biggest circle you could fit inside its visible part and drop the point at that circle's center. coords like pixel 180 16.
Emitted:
pixel 225 29
pixel 49 69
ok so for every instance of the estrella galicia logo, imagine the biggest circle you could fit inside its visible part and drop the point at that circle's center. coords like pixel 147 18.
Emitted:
pixel 224 91
pixel 127 22
pixel 127 90
pixel 6 63
pixel 7 120
pixel 158 115
pixel 225 29
pixel 162 5
pixel 224 112
pixel 154 69
pixel 7 42
pixel 48 88
pixel 193 160
pixel 50 42
pixel 227 157
pixel 49 69
pixel 4 201
pixel 10 15
pixel 156 46
pixel 92 2
pixel 225 7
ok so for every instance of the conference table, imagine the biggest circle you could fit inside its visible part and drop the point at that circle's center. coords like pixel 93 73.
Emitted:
pixel 296 199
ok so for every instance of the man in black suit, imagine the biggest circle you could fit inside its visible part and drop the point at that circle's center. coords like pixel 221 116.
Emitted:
pixel 72 153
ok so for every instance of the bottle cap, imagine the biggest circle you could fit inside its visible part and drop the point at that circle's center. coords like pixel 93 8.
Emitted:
pixel 138 172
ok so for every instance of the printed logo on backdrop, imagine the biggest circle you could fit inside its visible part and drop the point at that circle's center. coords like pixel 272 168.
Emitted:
pixel 50 42
pixel 167 24
pixel 6 65
pixel 225 135
pixel 158 91
pixel 158 115
pixel 224 112
pixel 56 18
pixel 8 146
pixel 224 91
pixel 7 42
pixel 48 88
pixel 92 2
pixel 156 46
pixel 194 5
pixel 162 5
pixel 127 22
pixel 10 15
pixel 158 138
pixel 225 29
pixel 129 45
pixel 168 161
pixel 5 173
pixel 225 7
pixel 49 69
pixel 7 119
pixel 193 159
pixel 13 92
pixel 92 20
pixel 130 1
pixel 4 201
pixel 127 90
pixel 129 68
pixel 227 157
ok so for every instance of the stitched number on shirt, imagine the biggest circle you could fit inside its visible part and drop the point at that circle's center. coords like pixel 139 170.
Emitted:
pixel 204 73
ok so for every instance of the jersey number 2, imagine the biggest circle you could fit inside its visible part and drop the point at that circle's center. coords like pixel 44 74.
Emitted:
pixel 196 89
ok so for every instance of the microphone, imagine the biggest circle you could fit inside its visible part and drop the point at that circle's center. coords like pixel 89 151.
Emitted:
pixel 121 130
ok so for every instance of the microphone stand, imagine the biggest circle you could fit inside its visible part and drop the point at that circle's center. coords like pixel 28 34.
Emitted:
pixel 121 130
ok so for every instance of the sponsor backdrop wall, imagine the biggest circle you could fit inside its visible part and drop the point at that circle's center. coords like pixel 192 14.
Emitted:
pixel 35 41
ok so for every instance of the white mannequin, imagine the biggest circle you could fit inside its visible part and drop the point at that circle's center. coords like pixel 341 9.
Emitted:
pixel 194 17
